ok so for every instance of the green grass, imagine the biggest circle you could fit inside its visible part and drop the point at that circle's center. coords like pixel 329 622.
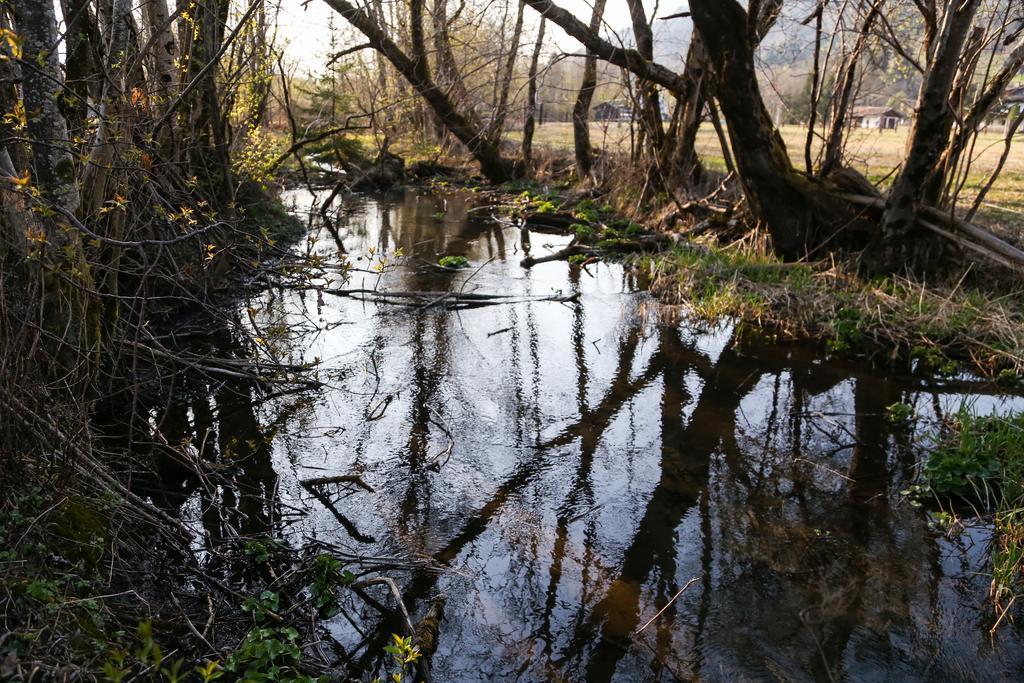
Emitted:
pixel 720 283
pixel 454 262
pixel 981 459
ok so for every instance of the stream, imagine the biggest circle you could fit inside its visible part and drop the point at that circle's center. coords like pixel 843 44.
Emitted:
pixel 575 465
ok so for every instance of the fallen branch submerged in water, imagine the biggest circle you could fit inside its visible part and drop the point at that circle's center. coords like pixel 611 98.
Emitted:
pixel 638 244
pixel 339 479
pixel 447 300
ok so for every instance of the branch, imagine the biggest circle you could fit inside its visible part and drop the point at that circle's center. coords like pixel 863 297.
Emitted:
pixel 619 56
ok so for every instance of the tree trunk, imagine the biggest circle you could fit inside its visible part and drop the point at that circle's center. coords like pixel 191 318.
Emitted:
pixel 67 313
pixel 778 195
pixel 15 152
pixel 531 99
pixel 53 169
pixel 505 84
pixel 653 133
pixel 845 84
pixel 448 76
pixel 101 157
pixel 581 109
pixel 983 105
pixel 619 56
pixel 82 79
pixel 165 47
pixel 896 248
pixel 682 164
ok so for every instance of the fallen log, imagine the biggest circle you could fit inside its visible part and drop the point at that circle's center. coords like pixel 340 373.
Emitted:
pixel 560 255
pixel 560 221
pixel 448 300
pixel 621 245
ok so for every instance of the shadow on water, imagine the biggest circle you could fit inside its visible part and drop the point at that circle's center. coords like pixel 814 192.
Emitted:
pixel 577 465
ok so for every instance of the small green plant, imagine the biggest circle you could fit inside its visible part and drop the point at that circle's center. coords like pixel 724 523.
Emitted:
pixel 115 669
pixel 454 262
pixel 262 552
pixel 209 670
pixel 1010 378
pixel 268 654
pixel 587 211
pixel 945 522
pixel 976 455
pixel 43 590
pixel 959 472
pixel 404 655
pixel 899 414
pixel 582 231
pixel 981 458
pixel 267 603
pixel 846 331
pixel 439 215
pixel 934 359
pixel 578 259
pixel 544 206
pixel 328 577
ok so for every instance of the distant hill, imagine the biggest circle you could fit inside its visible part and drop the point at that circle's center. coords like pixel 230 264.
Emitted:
pixel 671 37
pixel 788 44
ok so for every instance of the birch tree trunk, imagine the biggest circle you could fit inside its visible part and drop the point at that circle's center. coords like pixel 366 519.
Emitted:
pixel 53 169
pixel 67 312
pixel 165 48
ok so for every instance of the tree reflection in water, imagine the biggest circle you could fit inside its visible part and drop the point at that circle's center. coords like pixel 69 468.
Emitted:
pixel 601 460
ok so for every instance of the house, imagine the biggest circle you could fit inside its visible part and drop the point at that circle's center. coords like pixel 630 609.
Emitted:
pixel 877 118
pixel 613 111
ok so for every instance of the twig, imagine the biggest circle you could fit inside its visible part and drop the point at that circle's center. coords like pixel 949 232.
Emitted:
pixel 667 605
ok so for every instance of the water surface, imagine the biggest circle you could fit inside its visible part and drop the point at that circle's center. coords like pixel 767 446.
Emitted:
pixel 575 465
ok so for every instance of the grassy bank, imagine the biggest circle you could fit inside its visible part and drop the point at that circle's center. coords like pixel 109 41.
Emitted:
pixel 939 327
pixel 979 460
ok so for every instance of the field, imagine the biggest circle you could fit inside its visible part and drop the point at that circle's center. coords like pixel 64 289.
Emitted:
pixel 875 153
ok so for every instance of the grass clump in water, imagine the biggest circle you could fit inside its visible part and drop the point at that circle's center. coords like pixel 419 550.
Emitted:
pixel 981 459
pixel 454 262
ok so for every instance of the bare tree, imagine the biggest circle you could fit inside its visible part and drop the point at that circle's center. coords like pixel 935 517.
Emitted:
pixel 581 108
pixel 531 99
pixel 928 137
pixel 415 68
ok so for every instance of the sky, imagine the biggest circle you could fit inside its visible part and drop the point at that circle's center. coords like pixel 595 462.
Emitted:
pixel 306 32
